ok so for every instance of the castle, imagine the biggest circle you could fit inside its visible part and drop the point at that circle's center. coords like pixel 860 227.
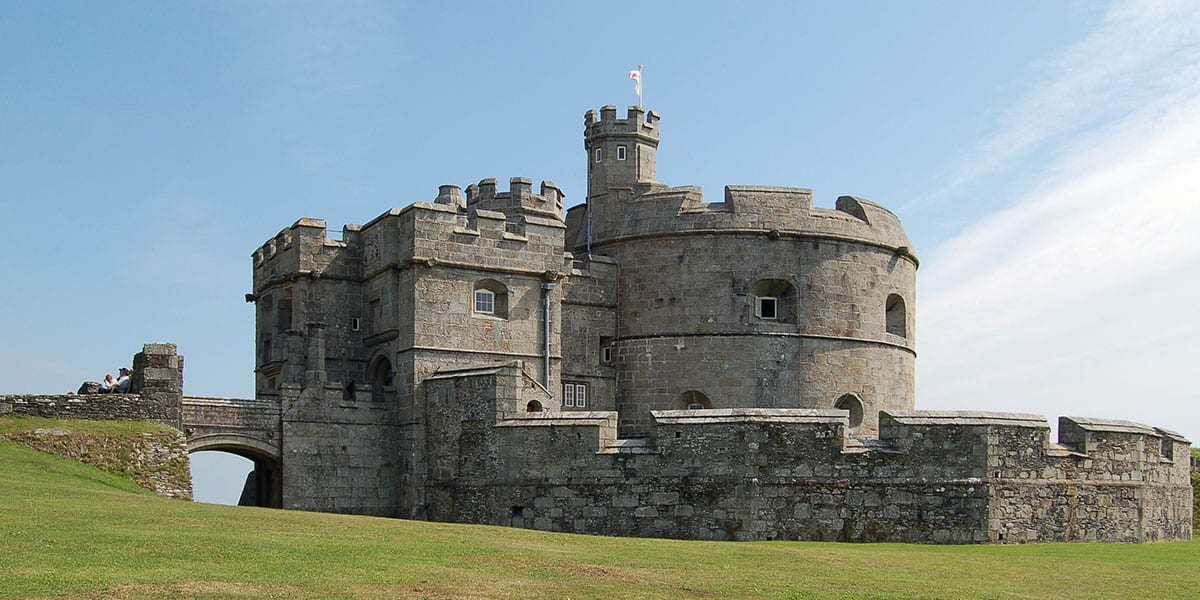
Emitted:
pixel 655 365
pixel 649 365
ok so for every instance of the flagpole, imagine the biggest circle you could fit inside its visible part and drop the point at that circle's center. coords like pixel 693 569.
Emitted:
pixel 641 82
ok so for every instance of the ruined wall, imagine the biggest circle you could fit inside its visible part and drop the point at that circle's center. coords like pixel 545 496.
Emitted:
pixel 758 474
pixel 156 386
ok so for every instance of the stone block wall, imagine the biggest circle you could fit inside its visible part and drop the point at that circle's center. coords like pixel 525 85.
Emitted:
pixel 339 455
pixel 157 392
pixel 758 474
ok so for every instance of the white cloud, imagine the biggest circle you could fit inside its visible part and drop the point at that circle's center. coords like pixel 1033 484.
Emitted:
pixel 1079 297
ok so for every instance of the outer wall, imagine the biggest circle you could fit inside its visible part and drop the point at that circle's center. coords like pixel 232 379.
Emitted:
pixel 687 322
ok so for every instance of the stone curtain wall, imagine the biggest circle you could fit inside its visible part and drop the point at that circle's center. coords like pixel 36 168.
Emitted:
pixel 115 407
pixel 157 383
pixel 761 474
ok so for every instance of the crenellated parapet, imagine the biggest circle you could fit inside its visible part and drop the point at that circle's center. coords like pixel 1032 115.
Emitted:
pixel 756 474
pixel 777 212
pixel 518 200
pixel 638 122
pixel 305 250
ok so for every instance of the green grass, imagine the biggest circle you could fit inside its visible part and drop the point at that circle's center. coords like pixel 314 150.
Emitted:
pixel 69 530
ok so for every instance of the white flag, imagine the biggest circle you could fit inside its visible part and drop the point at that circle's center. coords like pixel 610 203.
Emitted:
pixel 636 76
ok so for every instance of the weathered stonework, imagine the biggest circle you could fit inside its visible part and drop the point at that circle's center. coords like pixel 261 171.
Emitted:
pixel 646 364
pixel 157 461
pixel 650 364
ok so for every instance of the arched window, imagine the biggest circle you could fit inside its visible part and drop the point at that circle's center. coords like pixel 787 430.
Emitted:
pixel 774 300
pixel 381 377
pixel 692 400
pixel 894 316
pixel 490 298
pixel 533 406
pixel 851 403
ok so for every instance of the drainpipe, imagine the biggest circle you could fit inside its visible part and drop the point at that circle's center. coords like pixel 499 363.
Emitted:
pixel 547 287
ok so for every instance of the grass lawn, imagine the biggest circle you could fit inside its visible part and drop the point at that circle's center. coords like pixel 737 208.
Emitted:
pixel 69 530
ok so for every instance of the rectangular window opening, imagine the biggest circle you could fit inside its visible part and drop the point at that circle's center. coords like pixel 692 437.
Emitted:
pixel 485 302
pixel 767 308
pixel 620 152
pixel 575 395
pixel 599 154
pixel 355 323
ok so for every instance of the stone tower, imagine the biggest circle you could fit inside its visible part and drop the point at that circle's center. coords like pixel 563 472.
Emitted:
pixel 758 301
pixel 621 155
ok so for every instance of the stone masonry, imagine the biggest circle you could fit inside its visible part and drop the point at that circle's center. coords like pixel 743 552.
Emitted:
pixel 650 364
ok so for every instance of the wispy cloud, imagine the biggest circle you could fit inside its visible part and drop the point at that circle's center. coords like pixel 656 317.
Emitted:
pixel 1144 57
pixel 1055 303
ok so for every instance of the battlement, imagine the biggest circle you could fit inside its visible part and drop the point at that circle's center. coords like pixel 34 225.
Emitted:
pixel 957 477
pixel 638 122
pixel 519 197
pixel 303 248
pixel 779 211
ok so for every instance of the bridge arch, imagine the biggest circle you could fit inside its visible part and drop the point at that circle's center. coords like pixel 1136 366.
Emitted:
pixel 241 445
pixel 264 485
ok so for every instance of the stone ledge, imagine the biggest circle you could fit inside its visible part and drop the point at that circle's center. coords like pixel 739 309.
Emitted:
pixel 967 417
pixel 750 415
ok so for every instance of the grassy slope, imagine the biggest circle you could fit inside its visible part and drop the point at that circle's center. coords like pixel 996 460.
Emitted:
pixel 151 454
pixel 67 529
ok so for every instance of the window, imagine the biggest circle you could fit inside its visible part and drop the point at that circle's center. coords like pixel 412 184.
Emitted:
pixel 381 378
pixel 533 406
pixel 774 300
pixel 851 403
pixel 599 154
pixel 575 395
pixel 485 302
pixel 606 349
pixel 692 400
pixel 490 298
pixel 620 152
pixel 766 307
pixel 355 323
pixel 376 316
pixel 894 315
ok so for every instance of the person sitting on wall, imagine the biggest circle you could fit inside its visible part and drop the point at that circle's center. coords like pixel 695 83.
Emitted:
pixel 106 386
pixel 123 382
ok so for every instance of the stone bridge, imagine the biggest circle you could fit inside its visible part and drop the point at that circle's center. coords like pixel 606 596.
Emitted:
pixel 247 428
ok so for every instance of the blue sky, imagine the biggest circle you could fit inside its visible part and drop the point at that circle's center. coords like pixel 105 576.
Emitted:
pixel 1044 157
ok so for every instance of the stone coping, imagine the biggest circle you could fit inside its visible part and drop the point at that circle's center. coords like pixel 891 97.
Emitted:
pixel 967 417
pixel 472 371
pixel 216 401
pixel 557 419
pixel 747 415
pixel 1114 426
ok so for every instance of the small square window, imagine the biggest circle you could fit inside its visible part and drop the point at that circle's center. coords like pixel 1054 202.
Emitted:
pixel 599 154
pixel 485 302
pixel 766 308
pixel 620 152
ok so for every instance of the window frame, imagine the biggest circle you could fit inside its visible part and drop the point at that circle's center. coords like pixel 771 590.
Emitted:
pixel 488 297
pixel 761 301
pixel 621 152
pixel 575 394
